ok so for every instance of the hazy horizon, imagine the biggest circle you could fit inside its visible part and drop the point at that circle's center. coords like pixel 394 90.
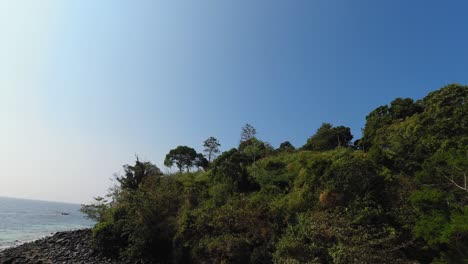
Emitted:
pixel 86 85
pixel 37 200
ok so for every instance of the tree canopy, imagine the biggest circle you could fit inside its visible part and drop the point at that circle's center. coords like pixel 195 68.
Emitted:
pixel 328 137
pixel 134 175
pixel 286 147
pixel 182 157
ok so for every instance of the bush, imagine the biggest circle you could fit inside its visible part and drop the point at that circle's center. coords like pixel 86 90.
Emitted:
pixel 107 239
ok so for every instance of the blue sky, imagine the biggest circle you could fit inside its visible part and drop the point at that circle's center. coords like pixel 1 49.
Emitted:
pixel 85 85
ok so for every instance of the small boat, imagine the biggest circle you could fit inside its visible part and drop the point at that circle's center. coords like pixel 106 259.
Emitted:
pixel 65 213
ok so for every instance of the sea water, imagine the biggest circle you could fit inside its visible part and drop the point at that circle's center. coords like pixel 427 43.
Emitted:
pixel 26 220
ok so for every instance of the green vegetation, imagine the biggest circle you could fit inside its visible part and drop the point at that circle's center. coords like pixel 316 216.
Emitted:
pixel 328 137
pixel 211 147
pixel 185 157
pixel 398 195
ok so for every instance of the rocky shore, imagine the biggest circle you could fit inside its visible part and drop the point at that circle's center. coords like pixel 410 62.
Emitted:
pixel 62 247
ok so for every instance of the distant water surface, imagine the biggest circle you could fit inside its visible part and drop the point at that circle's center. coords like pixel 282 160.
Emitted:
pixel 26 220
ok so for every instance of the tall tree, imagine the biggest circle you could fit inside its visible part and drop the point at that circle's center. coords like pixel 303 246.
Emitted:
pixel 211 147
pixel 134 175
pixel 248 132
pixel 182 157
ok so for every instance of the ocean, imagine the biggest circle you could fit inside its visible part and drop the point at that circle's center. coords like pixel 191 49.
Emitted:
pixel 26 220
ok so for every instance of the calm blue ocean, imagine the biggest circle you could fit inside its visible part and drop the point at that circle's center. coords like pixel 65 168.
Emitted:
pixel 26 220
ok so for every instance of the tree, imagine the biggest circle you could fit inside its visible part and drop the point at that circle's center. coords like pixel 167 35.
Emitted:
pixel 134 175
pixel 286 147
pixel 328 137
pixel 255 149
pixel 447 171
pixel 231 168
pixel 248 132
pixel 442 204
pixel 201 161
pixel 404 143
pixel 211 147
pixel 96 210
pixel 182 157
pixel 375 120
pixel 401 108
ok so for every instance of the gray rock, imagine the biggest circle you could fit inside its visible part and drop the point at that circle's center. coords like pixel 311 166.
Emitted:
pixel 62 247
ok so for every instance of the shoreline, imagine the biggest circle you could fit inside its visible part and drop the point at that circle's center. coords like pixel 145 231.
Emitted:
pixel 61 247
pixel 18 243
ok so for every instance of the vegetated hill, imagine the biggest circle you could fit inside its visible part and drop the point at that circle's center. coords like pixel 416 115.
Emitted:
pixel 398 195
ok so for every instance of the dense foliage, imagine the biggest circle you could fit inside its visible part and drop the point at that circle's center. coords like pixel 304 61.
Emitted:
pixel 398 195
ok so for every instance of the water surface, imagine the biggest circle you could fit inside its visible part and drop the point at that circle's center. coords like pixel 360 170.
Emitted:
pixel 26 220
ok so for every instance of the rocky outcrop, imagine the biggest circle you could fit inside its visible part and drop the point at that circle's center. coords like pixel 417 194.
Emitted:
pixel 63 247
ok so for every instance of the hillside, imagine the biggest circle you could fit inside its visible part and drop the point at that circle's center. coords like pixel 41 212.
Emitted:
pixel 397 195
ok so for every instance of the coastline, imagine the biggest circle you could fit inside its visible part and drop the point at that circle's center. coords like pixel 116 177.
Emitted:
pixel 19 243
pixel 36 237
pixel 61 247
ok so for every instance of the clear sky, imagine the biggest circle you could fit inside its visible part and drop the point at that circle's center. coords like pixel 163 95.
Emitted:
pixel 85 85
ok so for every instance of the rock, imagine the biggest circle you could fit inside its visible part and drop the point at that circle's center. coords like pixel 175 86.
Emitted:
pixel 9 261
pixel 62 247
